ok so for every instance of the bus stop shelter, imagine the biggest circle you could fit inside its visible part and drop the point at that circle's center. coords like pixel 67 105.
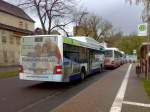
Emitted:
pixel 145 58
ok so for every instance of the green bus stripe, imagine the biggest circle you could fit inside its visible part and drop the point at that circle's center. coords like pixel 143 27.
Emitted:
pixel 71 41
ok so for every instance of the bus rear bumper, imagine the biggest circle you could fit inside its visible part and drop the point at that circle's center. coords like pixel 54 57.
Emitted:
pixel 50 78
pixel 110 66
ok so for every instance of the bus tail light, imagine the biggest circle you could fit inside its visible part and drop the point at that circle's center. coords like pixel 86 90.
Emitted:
pixel 20 69
pixel 58 70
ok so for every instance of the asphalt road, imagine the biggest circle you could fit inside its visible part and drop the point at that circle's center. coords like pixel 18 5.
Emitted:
pixel 30 96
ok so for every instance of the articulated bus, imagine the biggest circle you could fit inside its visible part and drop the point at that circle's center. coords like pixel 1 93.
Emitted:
pixel 59 59
pixel 113 57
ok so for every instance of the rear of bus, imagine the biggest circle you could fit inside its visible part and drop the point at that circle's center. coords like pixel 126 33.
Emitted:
pixel 41 58
pixel 109 59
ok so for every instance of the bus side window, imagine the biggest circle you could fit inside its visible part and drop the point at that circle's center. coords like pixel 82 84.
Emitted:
pixel 71 53
pixel 83 55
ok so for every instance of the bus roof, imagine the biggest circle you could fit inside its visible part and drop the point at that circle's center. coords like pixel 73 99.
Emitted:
pixel 112 48
pixel 41 35
pixel 115 49
pixel 85 39
pixel 122 52
pixel 88 42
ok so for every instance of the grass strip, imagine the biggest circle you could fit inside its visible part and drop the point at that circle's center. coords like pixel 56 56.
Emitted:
pixel 8 74
pixel 146 84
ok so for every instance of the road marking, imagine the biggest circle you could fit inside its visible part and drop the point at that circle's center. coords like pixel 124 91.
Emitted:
pixel 117 104
pixel 136 104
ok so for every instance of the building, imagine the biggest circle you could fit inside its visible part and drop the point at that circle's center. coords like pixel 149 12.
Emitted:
pixel 14 23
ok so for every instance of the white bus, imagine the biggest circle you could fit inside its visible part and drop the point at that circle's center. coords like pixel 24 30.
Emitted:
pixel 57 59
pixel 113 57
pixel 123 59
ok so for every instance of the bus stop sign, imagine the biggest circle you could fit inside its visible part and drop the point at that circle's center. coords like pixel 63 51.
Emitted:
pixel 142 29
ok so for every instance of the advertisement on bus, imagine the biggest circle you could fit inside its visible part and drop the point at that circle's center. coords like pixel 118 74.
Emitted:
pixel 40 55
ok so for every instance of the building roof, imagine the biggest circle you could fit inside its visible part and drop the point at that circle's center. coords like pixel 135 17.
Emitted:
pixel 14 10
pixel 14 29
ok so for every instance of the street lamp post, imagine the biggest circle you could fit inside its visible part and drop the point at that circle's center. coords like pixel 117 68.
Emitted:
pixel 148 40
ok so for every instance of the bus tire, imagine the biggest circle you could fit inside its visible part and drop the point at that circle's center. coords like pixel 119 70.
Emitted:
pixel 83 73
pixel 101 68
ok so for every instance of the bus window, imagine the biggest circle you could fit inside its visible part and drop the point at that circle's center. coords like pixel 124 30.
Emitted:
pixel 109 53
pixel 83 55
pixel 71 59
pixel 71 52
pixel 116 54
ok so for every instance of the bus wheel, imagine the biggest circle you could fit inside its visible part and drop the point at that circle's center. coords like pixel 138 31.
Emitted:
pixel 83 73
pixel 100 69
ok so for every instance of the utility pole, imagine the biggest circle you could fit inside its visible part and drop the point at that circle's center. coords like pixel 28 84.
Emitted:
pixel 148 40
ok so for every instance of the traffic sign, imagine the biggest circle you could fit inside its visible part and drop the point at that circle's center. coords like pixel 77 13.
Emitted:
pixel 142 29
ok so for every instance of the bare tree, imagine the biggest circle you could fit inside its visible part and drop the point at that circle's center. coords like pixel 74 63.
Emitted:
pixel 53 14
pixel 85 24
pixel 105 29
pixel 98 27
pixel 78 16
pixel 92 25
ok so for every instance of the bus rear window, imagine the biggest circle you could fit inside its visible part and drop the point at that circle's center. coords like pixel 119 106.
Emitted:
pixel 38 39
pixel 40 47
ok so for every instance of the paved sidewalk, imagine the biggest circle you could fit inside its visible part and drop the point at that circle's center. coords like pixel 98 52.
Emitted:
pixel 135 93
pixel 100 96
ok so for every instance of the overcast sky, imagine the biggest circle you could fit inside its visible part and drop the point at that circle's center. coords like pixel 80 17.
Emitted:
pixel 121 14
